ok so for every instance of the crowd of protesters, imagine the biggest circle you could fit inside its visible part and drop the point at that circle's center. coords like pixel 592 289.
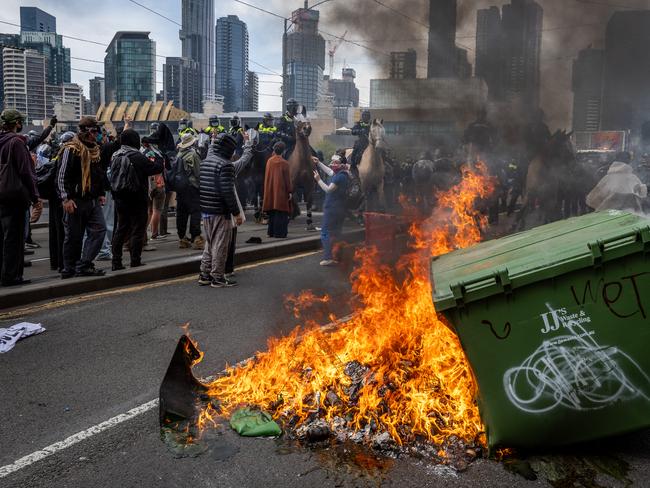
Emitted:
pixel 108 193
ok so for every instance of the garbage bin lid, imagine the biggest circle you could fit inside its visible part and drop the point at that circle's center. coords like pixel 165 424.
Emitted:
pixel 502 265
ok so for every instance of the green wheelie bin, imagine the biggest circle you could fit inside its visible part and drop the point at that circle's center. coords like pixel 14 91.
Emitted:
pixel 555 323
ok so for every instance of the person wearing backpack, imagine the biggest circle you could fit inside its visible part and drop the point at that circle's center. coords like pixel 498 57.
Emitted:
pixel 188 206
pixel 130 172
pixel 17 192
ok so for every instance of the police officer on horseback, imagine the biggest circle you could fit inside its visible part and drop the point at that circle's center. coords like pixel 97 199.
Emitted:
pixel 362 130
pixel 286 129
pixel 267 131
pixel 237 132
pixel 214 128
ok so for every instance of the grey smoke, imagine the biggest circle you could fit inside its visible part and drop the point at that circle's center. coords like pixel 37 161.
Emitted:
pixel 570 26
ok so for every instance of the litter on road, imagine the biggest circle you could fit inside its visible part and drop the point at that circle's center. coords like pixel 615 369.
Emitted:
pixel 9 337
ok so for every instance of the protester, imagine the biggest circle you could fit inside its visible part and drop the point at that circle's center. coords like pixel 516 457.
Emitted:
pixel 17 191
pixel 240 164
pixel 218 207
pixel 277 193
pixel 156 195
pixel 620 189
pixel 334 208
pixel 81 185
pixel 188 206
pixel 132 204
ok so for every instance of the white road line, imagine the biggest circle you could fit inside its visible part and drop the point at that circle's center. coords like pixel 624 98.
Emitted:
pixel 34 457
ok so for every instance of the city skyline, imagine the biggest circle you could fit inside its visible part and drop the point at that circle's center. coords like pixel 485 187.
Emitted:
pixel 571 28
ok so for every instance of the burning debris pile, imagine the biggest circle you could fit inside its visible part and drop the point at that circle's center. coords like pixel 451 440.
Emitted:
pixel 393 376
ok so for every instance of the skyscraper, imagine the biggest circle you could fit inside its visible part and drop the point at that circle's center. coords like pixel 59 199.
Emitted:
pixel 25 78
pixel 490 63
pixel 522 41
pixel 403 64
pixel 252 92
pixel 197 39
pixel 442 39
pixel 345 91
pixel 626 98
pixel 33 19
pixel 304 59
pixel 130 68
pixel 232 62
pixel 65 100
pixel 588 89
pixel 50 45
pixel 6 40
pixel 97 93
pixel 182 84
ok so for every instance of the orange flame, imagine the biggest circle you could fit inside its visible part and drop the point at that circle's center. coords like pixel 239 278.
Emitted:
pixel 406 371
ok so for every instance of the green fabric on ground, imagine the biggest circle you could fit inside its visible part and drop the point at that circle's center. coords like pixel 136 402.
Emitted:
pixel 254 423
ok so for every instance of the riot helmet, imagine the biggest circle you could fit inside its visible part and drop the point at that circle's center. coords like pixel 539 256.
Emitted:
pixel 365 116
pixel 292 106
pixel 268 119
pixel 235 122
pixel 214 121
pixel 153 128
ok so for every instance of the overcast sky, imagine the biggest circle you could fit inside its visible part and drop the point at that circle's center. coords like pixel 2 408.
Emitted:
pixel 570 25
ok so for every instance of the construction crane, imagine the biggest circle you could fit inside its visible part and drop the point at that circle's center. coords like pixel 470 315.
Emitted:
pixel 334 45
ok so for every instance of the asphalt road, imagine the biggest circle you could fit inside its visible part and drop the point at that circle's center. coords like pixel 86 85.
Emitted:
pixel 102 357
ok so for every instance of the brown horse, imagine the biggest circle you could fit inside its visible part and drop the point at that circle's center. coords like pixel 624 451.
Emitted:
pixel 371 168
pixel 301 168
pixel 545 180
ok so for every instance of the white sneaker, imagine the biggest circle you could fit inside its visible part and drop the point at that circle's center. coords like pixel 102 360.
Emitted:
pixel 328 262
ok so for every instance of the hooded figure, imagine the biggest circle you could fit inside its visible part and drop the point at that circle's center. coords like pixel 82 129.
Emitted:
pixel 620 189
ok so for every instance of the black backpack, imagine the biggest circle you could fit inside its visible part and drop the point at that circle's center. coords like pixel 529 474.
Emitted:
pixel 177 178
pixel 46 174
pixel 123 177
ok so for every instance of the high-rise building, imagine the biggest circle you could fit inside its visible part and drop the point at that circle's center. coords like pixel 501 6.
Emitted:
pixel 442 39
pixel 345 91
pixel 50 45
pixel 25 78
pixel 6 40
pixel 33 19
pixel 463 66
pixel 304 59
pixel 232 62
pixel 182 84
pixel 130 68
pixel 197 40
pixel 252 92
pixel 522 41
pixel 65 100
pixel 403 65
pixel 97 93
pixel 588 89
pixel 490 64
pixel 626 98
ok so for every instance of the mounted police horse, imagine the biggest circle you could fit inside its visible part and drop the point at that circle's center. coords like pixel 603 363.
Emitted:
pixel 301 167
pixel 262 151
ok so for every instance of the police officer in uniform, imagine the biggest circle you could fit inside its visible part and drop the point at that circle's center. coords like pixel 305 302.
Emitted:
pixel 362 131
pixel 237 133
pixel 286 129
pixel 267 131
pixel 214 128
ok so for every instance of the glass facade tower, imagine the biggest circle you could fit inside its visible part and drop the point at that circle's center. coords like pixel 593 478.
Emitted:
pixel 197 40
pixel 232 63
pixel 130 68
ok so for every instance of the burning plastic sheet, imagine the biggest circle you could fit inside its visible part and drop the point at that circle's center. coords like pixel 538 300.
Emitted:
pixel 9 337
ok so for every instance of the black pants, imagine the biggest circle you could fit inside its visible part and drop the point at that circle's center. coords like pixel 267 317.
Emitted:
pixel 278 224
pixel 56 234
pixel 164 214
pixel 87 218
pixel 230 262
pixel 12 243
pixel 132 218
pixel 188 208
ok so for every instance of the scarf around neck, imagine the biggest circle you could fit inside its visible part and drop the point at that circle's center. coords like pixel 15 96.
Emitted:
pixel 88 155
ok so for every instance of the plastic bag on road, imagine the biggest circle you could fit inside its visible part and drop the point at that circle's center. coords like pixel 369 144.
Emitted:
pixel 9 337
pixel 254 423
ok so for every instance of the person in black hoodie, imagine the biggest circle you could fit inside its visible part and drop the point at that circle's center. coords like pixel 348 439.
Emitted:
pixel 132 208
pixel 81 185
pixel 14 153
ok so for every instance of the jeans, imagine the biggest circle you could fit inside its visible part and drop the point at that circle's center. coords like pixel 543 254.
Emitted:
pixel 56 234
pixel 188 208
pixel 86 219
pixel 331 230
pixel 132 219
pixel 12 243
pixel 109 217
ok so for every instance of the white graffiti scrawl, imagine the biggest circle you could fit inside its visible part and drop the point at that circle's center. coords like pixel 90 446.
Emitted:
pixel 575 372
